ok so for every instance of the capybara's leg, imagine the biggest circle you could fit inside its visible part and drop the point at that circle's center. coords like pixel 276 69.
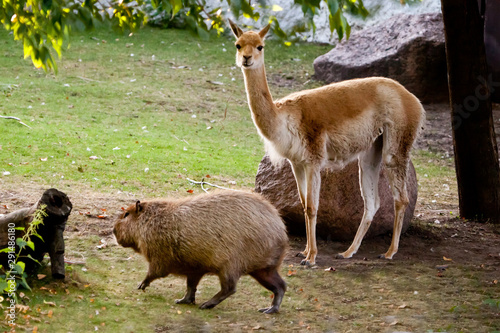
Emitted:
pixel 192 283
pixel 228 287
pixel 153 274
pixel 271 280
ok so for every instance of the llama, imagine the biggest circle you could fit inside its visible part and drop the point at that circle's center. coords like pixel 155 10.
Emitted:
pixel 375 120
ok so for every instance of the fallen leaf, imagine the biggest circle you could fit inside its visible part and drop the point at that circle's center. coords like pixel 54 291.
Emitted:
pixel 291 272
pixel 50 313
pixel 447 259
pixel 207 176
pixel 43 159
pixel 102 216
pixel 49 303
pixel 179 312
pixel 395 322
pixel 330 269
pixel 91 300
pixel 402 306
pixel 93 158
pixel 190 191
pixel 41 276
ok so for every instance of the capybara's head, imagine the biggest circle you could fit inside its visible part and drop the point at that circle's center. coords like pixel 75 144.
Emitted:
pixel 126 226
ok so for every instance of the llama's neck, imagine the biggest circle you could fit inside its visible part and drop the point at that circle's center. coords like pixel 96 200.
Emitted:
pixel 260 100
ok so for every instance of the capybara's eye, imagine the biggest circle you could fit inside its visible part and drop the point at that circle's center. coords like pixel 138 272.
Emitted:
pixel 260 47
pixel 238 46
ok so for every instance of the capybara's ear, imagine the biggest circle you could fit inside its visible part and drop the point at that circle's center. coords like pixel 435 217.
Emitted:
pixel 138 207
pixel 236 30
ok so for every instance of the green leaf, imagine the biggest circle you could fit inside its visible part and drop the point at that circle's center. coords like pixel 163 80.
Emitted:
pixel 176 6
pixel 29 256
pixel 20 266
pixel 333 6
pixel 31 245
pixel 3 285
pixel 21 243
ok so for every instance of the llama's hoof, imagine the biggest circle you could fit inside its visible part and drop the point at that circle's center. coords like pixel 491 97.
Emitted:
pixel 307 263
pixel 300 255
pixel 339 256
pixel 383 256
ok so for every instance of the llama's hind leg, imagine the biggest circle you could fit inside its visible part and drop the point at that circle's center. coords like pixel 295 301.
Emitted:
pixel 369 171
pixel 397 179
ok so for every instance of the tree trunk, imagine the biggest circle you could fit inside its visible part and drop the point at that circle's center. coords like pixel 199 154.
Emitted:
pixel 470 86
pixel 58 208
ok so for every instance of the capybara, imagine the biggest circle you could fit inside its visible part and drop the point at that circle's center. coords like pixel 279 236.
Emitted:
pixel 226 233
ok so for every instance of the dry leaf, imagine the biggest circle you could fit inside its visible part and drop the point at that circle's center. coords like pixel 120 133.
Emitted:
pixel 43 159
pixel 394 323
pixel 330 269
pixel 291 272
pixel 447 259
pixel 91 300
pixel 402 306
pixel 50 313
pixel 41 276
pixel 49 303
pixel 190 191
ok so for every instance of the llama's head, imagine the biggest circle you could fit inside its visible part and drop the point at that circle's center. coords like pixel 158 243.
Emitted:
pixel 249 46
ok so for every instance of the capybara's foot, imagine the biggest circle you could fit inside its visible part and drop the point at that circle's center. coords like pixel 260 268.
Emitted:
pixel 184 301
pixel 272 309
pixel 207 305
pixel 143 285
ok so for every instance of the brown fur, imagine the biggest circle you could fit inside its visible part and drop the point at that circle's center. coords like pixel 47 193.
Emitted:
pixel 375 120
pixel 226 233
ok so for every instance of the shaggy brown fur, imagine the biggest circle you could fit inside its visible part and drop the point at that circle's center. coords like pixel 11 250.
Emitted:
pixel 226 233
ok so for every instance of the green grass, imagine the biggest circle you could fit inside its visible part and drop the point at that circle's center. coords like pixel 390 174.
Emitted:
pixel 135 112
pixel 103 98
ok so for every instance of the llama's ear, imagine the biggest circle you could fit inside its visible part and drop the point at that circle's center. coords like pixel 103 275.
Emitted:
pixel 236 30
pixel 138 207
pixel 264 30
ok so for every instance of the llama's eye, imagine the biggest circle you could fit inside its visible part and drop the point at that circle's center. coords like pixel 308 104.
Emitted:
pixel 238 46
pixel 126 214
pixel 260 47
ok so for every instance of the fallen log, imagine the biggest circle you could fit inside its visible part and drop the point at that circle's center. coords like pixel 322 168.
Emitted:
pixel 58 207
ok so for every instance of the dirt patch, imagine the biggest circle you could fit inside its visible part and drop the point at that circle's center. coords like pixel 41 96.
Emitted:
pixel 437 136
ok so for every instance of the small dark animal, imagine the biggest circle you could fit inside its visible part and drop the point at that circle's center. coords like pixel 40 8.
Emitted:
pixel 226 233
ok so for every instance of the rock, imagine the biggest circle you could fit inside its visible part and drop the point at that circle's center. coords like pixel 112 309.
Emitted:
pixel 407 48
pixel 340 205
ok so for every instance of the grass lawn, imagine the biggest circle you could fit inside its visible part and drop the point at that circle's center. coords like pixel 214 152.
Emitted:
pixel 132 117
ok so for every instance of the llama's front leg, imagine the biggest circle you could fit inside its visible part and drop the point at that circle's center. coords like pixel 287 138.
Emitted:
pixel 311 209
pixel 300 178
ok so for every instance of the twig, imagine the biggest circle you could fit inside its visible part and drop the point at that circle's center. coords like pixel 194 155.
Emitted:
pixel 181 140
pixel 15 118
pixel 87 79
pixel 203 182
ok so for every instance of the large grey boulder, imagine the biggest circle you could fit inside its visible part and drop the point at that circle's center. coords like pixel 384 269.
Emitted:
pixel 407 48
pixel 340 205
